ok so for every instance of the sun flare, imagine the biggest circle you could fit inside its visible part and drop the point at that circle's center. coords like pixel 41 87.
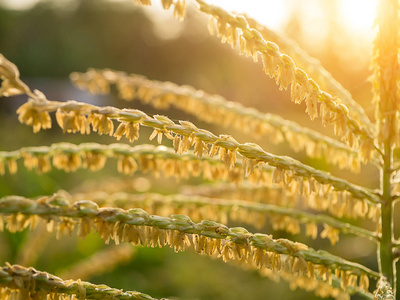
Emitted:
pixel 355 15
pixel 270 13
pixel 358 14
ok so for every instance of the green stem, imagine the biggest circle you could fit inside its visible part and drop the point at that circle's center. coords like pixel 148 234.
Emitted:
pixel 386 49
pixel 386 257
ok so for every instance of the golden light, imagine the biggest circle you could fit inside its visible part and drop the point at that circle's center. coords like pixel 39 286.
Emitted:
pixel 271 13
pixel 355 15
pixel 358 15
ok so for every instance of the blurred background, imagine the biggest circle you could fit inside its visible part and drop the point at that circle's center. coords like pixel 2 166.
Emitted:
pixel 48 40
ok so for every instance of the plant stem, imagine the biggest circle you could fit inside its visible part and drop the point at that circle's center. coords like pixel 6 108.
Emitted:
pixel 386 258
pixel 387 46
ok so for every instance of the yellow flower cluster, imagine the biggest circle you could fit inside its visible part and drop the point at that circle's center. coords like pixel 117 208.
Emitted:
pixel 17 282
pixel 338 204
pixel 187 133
pixel 313 68
pixel 31 115
pixel 385 79
pixel 221 210
pixel 278 186
pixel 180 233
pixel 11 85
pixel 281 180
pixel 179 6
pixel 235 30
pixel 215 109
pixel 320 288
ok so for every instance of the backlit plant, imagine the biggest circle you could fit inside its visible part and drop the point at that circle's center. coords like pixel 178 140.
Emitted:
pixel 290 195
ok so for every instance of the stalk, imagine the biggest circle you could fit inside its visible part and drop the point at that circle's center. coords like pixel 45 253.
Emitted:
pixel 386 257
pixel 386 76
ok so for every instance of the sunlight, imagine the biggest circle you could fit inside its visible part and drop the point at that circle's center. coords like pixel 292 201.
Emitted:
pixel 358 14
pixel 268 12
pixel 18 4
